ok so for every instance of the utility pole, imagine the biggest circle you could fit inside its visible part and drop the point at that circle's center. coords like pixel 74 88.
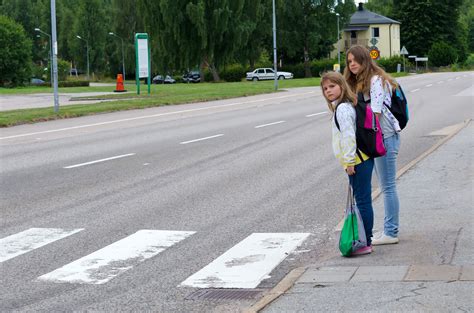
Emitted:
pixel 55 55
pixel 274 47
pixel 338 44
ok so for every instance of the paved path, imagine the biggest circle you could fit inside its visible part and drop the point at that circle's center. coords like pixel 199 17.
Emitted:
pixel 430 270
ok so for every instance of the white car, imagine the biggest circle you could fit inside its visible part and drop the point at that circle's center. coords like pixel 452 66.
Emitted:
pixel 267 73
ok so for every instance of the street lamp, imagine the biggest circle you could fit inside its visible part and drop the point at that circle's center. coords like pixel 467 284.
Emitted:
pixel 338 44
pixel 87 48
pixel 123 54
pixel 274 47
pixel 50 53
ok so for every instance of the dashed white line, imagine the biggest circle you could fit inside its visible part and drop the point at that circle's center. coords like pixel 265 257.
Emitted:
pixel 415 90
pixel 310 115
pixel 429 85
pixel 450 79
pixel 458 77
pixel 201 139
pixel 269 124
pixel 101 160
pixel 440 82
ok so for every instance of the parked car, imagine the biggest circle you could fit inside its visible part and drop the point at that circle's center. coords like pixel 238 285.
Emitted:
pixel 37 81
pixel 192 77
pixel 160 79
pixel 267 73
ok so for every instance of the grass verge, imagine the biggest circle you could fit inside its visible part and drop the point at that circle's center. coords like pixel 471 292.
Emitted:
pixel 160 95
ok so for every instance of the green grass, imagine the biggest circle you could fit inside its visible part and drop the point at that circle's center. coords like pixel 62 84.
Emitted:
pixel 160 95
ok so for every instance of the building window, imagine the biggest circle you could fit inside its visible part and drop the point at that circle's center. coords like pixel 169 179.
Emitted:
pixel 353 34
pixel 375 32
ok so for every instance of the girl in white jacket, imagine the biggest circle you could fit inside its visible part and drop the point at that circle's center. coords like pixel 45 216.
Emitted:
pixel 358 166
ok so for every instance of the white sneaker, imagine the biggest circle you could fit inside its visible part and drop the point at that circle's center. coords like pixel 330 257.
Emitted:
pixel 383 239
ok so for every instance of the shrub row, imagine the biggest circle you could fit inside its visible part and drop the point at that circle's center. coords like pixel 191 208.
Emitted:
pixel 78 83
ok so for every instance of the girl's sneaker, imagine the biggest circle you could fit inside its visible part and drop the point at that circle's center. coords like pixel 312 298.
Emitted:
pixel 364 250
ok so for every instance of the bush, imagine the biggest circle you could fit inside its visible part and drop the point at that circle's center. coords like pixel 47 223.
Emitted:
pixel 75 83
pixel 318 67
pixel 63 70
pixel 390 64
pixel 469 63
pixel 15 53
pixel 233 73
pixel 296 69
pixel 442 54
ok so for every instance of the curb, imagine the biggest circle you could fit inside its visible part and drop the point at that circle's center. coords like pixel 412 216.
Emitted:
pixel 289 280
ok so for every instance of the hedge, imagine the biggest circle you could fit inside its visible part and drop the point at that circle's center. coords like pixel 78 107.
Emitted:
pixel 78 83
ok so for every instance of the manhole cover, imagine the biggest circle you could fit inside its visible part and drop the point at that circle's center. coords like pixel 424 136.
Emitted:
pixel 224 294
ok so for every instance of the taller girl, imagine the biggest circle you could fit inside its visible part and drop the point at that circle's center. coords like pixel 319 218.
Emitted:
pixel 364 76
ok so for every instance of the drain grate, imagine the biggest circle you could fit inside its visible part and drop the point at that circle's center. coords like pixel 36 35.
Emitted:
pixel 224 294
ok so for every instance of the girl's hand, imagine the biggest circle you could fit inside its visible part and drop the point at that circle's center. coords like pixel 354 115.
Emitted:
pixel 350 170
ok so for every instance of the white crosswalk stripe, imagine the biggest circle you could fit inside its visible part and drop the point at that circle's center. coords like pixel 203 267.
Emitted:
pixel 249 262
pixel 28 240
pixel 101 266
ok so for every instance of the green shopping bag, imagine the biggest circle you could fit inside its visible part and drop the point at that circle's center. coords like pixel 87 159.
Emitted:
pixel 353 233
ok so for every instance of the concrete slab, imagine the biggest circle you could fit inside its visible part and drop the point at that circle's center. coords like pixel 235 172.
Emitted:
pixel 328 274
pixel 380 273
pixel 467 273
pixel 433 273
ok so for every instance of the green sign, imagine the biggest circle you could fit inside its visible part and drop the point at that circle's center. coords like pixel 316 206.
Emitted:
pixel 142 56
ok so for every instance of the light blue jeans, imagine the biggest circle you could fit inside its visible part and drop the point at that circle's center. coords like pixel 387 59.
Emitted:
pixel 386 170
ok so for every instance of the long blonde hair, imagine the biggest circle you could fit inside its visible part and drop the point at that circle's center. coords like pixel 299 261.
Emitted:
pixel 368 68
pixel 346 93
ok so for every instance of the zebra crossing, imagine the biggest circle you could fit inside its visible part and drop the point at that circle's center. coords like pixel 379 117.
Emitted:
pixel 244 265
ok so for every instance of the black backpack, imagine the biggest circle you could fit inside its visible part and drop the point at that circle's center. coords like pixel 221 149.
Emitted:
pixel 399 107
pixel 369 137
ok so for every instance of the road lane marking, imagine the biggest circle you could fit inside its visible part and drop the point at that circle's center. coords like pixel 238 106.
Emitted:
pixel 269 124
pixel 31 239
pixel 458 77
pixel 415 90
pixel 201 139
pixel 248 263
pixel 429 85
pixel 99 161
pixel 440 82
pixel 450 79
pixel 102 265
pixel 310 115
pixel 154 115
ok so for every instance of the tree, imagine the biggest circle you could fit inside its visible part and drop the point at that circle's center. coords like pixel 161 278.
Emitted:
pixel 91 23
pixel 15 53
pixel 308 28
pixel 382 7
pixel 424 22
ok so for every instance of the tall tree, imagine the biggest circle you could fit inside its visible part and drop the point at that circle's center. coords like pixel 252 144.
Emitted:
pixel 308 28
pixel 424 22
pixel 92 25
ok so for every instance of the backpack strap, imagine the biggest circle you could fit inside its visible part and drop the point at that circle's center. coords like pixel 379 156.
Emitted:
pixel 335 118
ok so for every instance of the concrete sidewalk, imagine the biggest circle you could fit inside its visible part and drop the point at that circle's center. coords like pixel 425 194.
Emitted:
pixel 430 270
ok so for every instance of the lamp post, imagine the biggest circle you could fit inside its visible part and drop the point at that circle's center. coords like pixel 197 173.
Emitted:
pixel 50 53
pixel 338 44
pixel 87 48
pixel 275 47
pixel 123 54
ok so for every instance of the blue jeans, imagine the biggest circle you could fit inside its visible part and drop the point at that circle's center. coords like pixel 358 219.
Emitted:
pixel 386 169
pixel 361 183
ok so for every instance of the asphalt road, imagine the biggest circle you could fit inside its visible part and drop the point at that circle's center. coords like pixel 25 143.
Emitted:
pixel 215 174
